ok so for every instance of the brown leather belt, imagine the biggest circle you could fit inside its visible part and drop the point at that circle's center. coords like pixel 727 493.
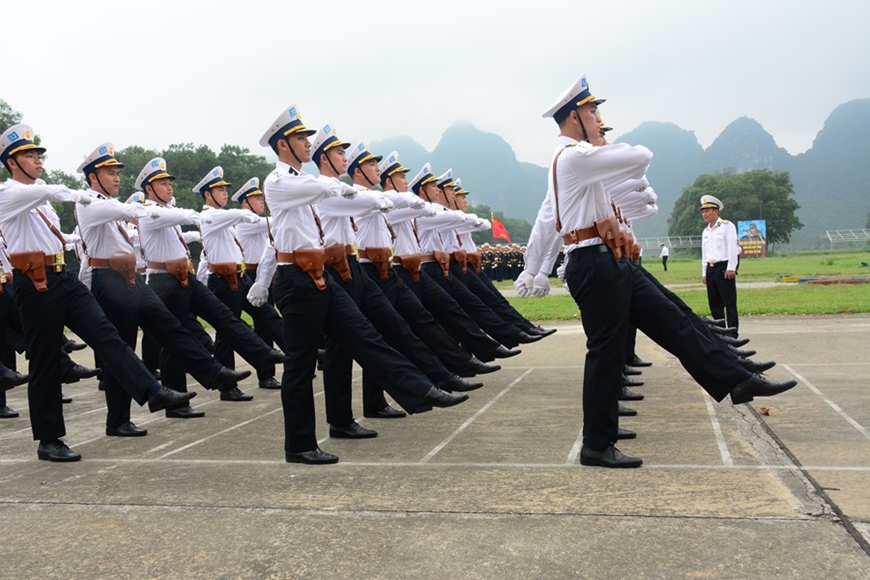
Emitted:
pixel 124 265
pixel 310 261
pixel 141 270
pixel 216 269
pixel 427 258
pixel 252 267
pixel 575 236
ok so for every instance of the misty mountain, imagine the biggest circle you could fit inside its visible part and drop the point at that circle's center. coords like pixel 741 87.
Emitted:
pixel 831 180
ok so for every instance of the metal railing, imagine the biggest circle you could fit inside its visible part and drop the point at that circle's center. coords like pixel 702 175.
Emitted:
pixel 861 236
pixel 672 242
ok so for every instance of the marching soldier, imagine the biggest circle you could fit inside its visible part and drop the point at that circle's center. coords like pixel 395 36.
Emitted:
pixel 122 292
pixel 169 275
pixel 50 298
pixel 312 304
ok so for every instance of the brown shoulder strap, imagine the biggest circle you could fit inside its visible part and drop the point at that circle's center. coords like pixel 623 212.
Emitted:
pixel 52 227
pixel 556 191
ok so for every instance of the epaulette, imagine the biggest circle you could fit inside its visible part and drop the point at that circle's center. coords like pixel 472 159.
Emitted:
pixel 725 221
pixel 274 176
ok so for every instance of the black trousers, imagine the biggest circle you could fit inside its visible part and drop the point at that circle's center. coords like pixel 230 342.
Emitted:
pixel 308 312
pixel 450 314
pixel 395 331
pixel 489 294
pixel 131 307
pixel 198 300
pixel 665 262
pixel 722 293
pixel 9 319
pixel 44 314
pixel 423 324
pixel 612 296
pixel 267 322
pixel 489 321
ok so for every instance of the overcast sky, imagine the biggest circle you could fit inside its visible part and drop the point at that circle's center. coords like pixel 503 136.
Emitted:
pixel 158 72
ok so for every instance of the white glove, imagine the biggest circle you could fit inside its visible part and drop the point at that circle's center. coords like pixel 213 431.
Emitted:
pixel 431 210
pixel 348 191
pixel 206 217
pixel 152 212
pixel 82 198
pixel 72 238
pixel 418 203
pixel 524 284
pixel 384 204
pixel 560 272
pixel 542 286
pixel 258 295
pixel 251 217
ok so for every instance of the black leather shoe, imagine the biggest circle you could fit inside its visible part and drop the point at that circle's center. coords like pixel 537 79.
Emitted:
pixel 101 386
pixel 719 322
pixel 477 367
pixel 458 384
pixel 627 382
pixel 321 355
pixel 729 332
pixel 235 394
pixel 526 338
pixel 186 412
pixel 72 346
pixel 636 361
pixel 166 398
pixel 438 398
pixel 628 395
pixel 736 342
pixel 7 413
pixel 541 331
pixel 270 383
pixel 228 377
pixel 11 379
pixel 755 367
pixel 56 451
pixel 127 429
pixel 65 400
pixel 385 413
pixel 745 353
pixel 758 386
pixel 157 374
pixel 352 431
pixel 625 434
pixel 627 370
pixel 77 373
pixel 610 457
pixel 502 352
pixel 314 457
pixel 273 358
pixel 625 411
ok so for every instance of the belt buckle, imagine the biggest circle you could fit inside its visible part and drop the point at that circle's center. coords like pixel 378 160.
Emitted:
pixel 242 268
pixel 354 248
pixel 59 262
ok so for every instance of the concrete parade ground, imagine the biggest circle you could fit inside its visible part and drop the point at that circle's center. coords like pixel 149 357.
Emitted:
pixel 492 488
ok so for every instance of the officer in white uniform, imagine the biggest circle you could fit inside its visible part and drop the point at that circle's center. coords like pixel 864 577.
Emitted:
pixel 169 275
pixel 312 304
pixel 611 291
pixel 50 298
pixel 122 292
pixel 719 261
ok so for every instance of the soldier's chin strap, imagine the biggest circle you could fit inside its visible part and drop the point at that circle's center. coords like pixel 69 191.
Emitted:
pixel 208 192
pixel 582 126
pixel 100 183
pixel 293 151
pixel 337 172
pixel 154 191
pixel 21 169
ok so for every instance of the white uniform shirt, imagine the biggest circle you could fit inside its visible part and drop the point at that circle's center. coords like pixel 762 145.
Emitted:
pixel 719 244
pixel 100 225
pixel 22 227
pixel 408 207
pixel 665 252
pixel 336 212
pixel 254 239
pixel 219 240
pixel 159 237
pixel 431 229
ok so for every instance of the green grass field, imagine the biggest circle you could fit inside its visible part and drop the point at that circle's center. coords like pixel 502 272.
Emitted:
pixel 684 278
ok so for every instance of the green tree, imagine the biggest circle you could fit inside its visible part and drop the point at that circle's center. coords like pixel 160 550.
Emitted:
pixel 8 117
pixel 757 194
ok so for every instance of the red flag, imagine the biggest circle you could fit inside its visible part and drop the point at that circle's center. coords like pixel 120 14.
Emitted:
pixel 498 229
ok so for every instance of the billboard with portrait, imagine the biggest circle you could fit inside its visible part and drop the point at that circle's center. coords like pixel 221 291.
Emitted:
pixel 752 238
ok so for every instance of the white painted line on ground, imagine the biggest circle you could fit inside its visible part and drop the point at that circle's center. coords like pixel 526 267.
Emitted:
pixel 830 403
pixel 399 464
pixel 213 435
pixel 471 419
pixel 720 440
pixel 814 364
pixel 575 450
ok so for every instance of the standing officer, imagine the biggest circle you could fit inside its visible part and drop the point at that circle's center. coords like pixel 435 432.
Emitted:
pixel 312 304
pixel 611 291
pixel 719 255
pixel 50 298
pixel 169 275
pixel 227 269
pixel 123 294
